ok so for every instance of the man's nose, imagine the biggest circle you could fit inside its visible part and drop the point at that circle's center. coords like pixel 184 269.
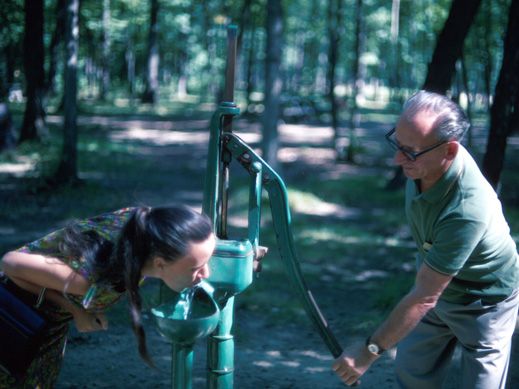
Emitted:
pixel 400 158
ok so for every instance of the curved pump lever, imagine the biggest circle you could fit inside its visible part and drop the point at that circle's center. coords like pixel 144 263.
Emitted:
pixel 281 218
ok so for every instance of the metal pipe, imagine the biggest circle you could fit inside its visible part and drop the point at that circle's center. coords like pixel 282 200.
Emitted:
pixel 212 186
pixel 254 218
pixel 232 39
pixel 181 365
pixel 224 196
pixel 220 350
pixel 228 96
pixel 220 345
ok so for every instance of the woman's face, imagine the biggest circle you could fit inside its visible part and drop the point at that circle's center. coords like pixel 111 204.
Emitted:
pixel 188 270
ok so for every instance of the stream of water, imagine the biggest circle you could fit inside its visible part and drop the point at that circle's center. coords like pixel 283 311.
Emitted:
pixel 186 300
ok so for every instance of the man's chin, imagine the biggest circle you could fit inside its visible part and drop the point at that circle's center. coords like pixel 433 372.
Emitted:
pixel 408 172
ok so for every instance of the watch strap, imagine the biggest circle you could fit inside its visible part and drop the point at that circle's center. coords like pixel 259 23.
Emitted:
pixel 380 350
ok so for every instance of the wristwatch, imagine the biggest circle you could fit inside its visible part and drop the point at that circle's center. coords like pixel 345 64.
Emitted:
pixel 373 348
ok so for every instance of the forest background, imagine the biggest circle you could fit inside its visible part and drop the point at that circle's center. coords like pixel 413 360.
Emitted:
pixel 105 104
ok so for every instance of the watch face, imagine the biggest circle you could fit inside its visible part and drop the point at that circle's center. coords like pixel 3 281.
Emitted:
pixel 373 348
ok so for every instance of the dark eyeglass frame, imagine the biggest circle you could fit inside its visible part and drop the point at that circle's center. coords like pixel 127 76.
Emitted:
pixel 411 155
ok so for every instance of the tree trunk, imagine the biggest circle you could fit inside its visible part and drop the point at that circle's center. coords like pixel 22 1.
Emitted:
pixel 448 49
pixel 334 21
pixel 55 43
pixel 466 88
pixel 314 48
pixel 214 89
pixel 487 58
pixel 151 91
pixel 297 73
pixel 182 74
pixel 251 63
pixel 130 66
pixel 67 170
pixel 91 67
pixel 33 127
pixel 5 84
pixel 450 45
pixel 9 49
pixel 357 79
pixel 273 82
pixel 105 60
pixel 7 137
pixel 395 82
pixel 504 114
pixel 246 19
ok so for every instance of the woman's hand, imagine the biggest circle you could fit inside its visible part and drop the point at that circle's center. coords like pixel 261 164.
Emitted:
pixel 89 321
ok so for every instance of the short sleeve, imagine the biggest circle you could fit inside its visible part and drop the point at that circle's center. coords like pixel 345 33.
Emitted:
pixel 454 242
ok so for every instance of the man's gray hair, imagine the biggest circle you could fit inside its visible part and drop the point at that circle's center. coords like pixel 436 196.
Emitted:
pixel 451 123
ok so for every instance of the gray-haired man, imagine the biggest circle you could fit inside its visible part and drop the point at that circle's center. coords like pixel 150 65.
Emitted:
pixel 465 290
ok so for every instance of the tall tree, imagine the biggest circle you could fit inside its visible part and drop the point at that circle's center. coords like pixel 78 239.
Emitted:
pixel 334 26
pixel 357 79
pixel 67 170
pixel 504 114
pixel 273 82
pixel 486 56
pixel 33 126
pixel 10 17
pixel 55 43
pixel 394 78
pixel 7 137
pixel 250 63
pixel 450 45
pixel 105 58
pixel 129 56
pixel 152 70
pixel 11 36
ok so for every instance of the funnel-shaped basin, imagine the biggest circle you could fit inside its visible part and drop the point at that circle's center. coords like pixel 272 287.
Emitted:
pixel 188 317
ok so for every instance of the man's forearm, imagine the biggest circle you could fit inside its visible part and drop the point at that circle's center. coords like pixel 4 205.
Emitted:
pixel 404 317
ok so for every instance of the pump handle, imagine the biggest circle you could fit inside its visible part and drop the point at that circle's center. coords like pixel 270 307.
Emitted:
pixel 281 219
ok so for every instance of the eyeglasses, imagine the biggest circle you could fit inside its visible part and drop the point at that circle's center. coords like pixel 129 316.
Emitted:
pixel 411 155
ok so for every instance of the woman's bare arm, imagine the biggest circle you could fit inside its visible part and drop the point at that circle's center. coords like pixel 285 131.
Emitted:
pixel 46 272
pixel 33 272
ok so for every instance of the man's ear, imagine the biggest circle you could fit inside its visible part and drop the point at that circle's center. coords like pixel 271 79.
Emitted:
pixel 452 150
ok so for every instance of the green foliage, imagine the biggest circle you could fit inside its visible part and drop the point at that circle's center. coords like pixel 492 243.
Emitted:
pixel 192 44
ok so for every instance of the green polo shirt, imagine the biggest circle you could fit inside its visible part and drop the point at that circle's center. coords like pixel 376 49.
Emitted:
pixel 460 230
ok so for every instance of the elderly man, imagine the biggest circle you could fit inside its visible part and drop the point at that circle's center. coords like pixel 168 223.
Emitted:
pixel 465 292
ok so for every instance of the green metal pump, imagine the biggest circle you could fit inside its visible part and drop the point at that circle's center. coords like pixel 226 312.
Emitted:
pixel 233 260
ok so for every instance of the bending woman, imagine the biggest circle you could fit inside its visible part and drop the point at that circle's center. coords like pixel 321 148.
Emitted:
pixel 85 268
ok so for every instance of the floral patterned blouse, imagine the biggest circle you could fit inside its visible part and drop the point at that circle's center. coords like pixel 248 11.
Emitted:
pixel 44 368
pixel 108 226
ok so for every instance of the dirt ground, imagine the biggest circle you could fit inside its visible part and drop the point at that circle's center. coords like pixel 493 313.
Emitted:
pixel 266 357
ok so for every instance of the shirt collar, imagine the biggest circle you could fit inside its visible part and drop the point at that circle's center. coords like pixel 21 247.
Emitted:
pixel 443 186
